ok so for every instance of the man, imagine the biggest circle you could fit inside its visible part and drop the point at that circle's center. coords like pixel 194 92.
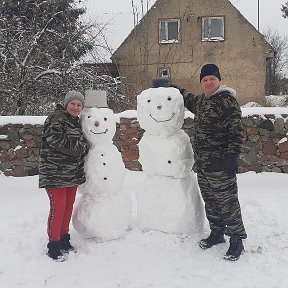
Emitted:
pixel 217 143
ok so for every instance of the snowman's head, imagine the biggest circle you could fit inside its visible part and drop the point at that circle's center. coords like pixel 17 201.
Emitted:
pixel 160 110
pixel 98 125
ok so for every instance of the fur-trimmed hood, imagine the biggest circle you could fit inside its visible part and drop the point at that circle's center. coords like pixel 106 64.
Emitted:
pixel 225 88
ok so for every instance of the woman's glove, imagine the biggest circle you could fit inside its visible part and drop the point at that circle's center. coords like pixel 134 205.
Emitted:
pixel 231 164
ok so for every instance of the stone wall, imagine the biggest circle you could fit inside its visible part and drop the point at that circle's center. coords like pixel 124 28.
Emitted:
pixel 265 148
pixel 19 149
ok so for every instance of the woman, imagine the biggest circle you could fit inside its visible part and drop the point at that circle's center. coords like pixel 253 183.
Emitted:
pixel 61 169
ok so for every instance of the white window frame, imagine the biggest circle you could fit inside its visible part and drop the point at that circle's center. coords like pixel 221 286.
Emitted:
pixel 164 37
pixel 209 37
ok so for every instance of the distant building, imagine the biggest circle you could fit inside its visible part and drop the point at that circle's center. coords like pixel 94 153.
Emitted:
pixel 177 37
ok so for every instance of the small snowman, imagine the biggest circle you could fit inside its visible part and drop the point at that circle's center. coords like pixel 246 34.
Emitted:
pixel 103 210
pixel 169 199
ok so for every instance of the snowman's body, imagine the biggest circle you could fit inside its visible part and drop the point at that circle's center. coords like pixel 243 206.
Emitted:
pixel 103 209
pixel 169 199
pixel 173 154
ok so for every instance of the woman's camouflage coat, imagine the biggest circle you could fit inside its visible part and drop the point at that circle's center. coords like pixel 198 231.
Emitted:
pixel 63 150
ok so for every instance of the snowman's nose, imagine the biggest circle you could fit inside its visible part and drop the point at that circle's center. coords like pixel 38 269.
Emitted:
pixel 159 107
pixel 96 123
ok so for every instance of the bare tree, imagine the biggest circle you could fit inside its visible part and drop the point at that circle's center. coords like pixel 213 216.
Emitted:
pixel 42 45
pixel 278 64
pixel 284 10
pixel 95 73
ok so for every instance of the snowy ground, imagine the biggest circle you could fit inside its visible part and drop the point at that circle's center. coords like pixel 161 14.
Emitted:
pixel 145 260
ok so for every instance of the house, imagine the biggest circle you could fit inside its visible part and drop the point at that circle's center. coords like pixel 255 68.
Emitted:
pixel 177 37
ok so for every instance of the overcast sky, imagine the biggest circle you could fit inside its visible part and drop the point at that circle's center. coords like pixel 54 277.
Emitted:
pixel 118 14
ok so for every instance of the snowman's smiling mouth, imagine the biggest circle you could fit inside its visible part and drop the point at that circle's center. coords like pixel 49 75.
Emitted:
pixel 173 114
pixel 99 132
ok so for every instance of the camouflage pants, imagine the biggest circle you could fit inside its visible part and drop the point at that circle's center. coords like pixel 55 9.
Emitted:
pixel 220 195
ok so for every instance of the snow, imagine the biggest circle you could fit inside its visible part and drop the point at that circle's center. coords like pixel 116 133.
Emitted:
pixel 18 147
pixel 126 114
pixel 278 111
pixel 22 120
pixel 246 111
pixel 145 260
pixel 282 140
pixel 140 259
pixel 3 137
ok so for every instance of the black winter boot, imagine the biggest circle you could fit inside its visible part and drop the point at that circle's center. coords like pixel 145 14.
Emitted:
pixel 216 237
pixel 54 251
pixel 65 245
pixel 235 250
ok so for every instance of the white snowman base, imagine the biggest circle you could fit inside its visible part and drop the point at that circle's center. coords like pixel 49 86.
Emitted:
pixel 171 205
pixel 107 219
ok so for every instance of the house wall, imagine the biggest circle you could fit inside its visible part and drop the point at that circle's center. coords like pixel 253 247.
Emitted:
pixel 262 150
pixel 241 57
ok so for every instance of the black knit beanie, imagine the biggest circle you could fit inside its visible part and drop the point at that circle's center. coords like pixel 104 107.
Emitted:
pixel 210 69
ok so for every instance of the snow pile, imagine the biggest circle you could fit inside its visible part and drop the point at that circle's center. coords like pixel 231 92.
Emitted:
pixel 250 104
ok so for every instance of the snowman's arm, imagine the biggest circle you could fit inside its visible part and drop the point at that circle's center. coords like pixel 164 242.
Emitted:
pixel 190 99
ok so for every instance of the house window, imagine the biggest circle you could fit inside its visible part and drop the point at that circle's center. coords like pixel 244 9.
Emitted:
pixel 212 28
pixel 169 31
pixel 164 73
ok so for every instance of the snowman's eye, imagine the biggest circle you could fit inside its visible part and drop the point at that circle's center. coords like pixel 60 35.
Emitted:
pixel 149 101
pixel 105 119
pixel 89 117
pixel 169 98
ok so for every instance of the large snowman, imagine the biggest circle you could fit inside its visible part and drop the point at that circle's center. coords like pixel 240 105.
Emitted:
pixel 169 199
pixel 103 210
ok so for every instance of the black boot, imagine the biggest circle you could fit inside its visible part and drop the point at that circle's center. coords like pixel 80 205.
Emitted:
pixel 235 250
pixel 54 251
pixel 65 245
pixel 216 237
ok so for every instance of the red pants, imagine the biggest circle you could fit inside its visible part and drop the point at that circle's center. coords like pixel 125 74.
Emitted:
pixel 61 206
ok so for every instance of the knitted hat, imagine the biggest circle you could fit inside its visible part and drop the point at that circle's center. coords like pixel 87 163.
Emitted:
pixel 210 69
pixel 71 95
